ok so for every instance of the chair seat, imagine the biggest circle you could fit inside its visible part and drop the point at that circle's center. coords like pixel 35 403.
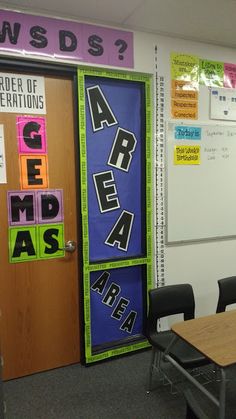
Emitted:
pixel 182 352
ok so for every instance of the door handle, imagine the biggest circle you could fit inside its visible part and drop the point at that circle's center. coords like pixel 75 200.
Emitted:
pixel 70 246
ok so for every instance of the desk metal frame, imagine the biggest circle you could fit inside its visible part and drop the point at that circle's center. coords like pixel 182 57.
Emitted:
pixel 215 337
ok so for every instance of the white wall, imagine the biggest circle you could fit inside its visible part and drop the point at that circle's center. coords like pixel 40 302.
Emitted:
pixel 202 263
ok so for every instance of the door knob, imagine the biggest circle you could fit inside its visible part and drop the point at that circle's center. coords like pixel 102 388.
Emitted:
pixel 70 246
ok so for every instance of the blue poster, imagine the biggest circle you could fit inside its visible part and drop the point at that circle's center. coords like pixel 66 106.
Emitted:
pixel 115 142
pixel 117 306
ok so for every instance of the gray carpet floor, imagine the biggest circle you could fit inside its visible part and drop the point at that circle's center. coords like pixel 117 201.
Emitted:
pixel 115 389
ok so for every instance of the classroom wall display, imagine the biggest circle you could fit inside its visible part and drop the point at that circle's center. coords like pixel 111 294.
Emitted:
pixel 223 104
pixel 36 229
pixel 187 72
pixel 33 171
pixel 117 307
pixel 116 196
pixel 184 86
pixel 31 132
pixel 35 213
pixel 36 242
pixel 211 73
pixel 201 200
pixel 115 162
pixel 3 174
pixel 55 38
pixel 21 93
pixel 230 75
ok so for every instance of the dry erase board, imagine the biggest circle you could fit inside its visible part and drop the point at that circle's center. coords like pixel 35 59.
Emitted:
pixel 201 182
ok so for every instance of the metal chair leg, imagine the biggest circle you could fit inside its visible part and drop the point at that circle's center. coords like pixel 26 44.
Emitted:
pixel 149 384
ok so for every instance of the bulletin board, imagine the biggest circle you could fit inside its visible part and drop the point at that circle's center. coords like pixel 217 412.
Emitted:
pixel 116 200
pixel 200 181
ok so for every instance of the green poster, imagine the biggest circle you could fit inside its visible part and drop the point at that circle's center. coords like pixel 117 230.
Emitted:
pixel 51 241
pixel 211 73
pixel 184 67
pixel 22 244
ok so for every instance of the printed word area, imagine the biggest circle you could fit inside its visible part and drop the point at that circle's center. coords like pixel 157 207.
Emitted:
pixel 120 157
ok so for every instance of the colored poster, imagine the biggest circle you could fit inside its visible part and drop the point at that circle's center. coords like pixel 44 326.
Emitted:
pixel 184 90
pixel 115 123
pixel 33 171
pixel 184 67
pixel 50 241
pixel 183 132
pixel 21 93
pixel 230 75
pixel 31 135
pixel 49 206
pixel 35 207
pixel 211 73
pixel 21 208
pixel 187 154
pixel 117 306
pixel 184 109
pixel 22 244
pixel 3 174
pixel 43 36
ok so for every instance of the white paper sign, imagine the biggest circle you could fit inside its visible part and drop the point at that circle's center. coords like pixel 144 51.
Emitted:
pixel 22 94
pixel 223 104
pixel 3 176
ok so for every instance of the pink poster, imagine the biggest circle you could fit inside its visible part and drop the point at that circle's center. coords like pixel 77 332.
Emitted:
pixel 230 75
pixel 31 134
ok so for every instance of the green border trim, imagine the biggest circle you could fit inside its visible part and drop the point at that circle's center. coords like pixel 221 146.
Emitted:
pixel 87 267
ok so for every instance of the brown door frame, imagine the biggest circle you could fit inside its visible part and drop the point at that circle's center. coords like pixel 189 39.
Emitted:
pixel 26 66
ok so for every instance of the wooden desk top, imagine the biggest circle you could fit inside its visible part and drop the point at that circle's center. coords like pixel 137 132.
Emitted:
pixel 214 336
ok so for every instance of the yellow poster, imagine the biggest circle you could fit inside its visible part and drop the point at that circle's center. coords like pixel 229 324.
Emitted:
pixel 187 154
pixel 184 67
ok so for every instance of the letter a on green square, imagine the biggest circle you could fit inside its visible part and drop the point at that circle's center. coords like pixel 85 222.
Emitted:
pixel 22 244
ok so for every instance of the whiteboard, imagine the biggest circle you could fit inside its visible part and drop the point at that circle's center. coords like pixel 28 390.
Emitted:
pixel 201 198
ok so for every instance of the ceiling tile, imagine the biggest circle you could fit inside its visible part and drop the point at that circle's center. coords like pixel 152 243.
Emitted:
pixel 95 10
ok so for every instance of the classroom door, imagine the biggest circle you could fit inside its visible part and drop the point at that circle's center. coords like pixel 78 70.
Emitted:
pixel 39 299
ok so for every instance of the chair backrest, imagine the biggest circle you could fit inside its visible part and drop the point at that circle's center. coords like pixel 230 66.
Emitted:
pixel 227 293
pixel 169 300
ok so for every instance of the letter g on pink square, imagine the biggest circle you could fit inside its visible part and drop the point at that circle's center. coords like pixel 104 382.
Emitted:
pixel 31 135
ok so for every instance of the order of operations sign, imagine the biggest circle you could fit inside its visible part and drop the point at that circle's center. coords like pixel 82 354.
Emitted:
pixel 22 94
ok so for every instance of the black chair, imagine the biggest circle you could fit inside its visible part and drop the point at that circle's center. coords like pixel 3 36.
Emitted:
pixel 166 301
pixel 227 293
pixel 193 410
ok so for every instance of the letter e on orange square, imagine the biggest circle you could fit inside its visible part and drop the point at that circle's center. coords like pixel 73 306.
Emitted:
pixel 33 171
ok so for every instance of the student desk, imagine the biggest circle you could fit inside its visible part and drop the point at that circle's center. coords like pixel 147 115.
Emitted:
pixel 215 337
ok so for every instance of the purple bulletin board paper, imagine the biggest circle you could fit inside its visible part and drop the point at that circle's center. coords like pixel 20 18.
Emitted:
pixel 21 121
pixel 65 39
pixel 125 100
pixel 105 329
